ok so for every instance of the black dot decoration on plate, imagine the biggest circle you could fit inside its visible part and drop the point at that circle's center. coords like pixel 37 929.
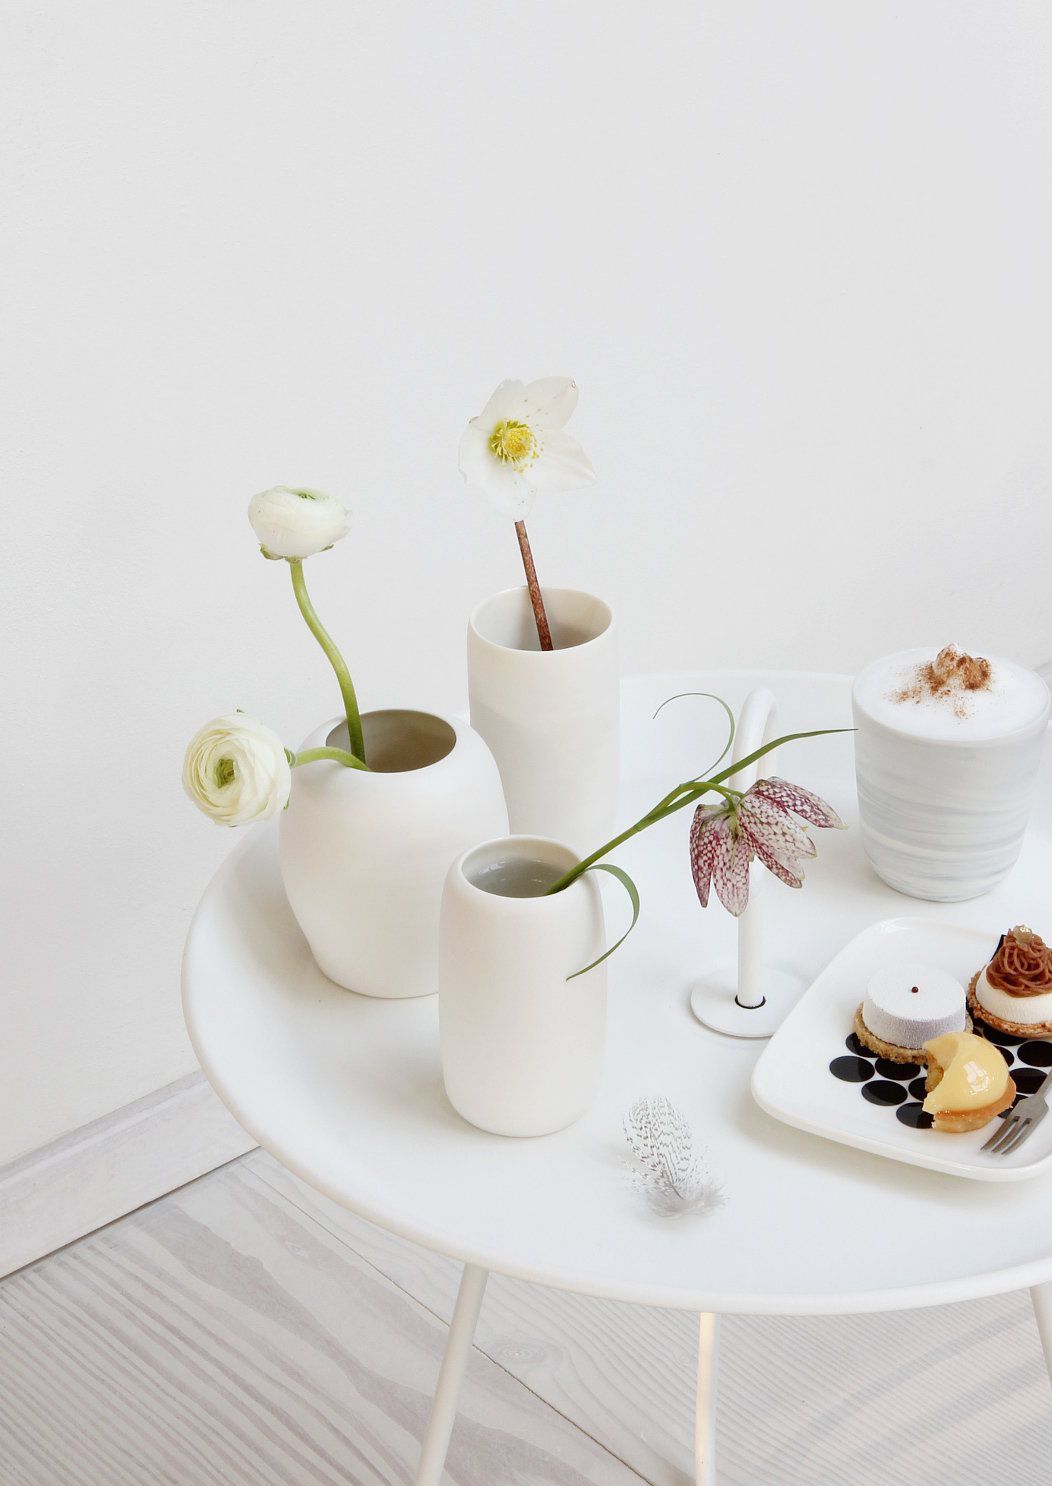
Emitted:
pixel 994 1034
pixel 1036 1054
pixel 1028 1080
pixel 901 1086
pixel 852 1070
pixel 901 1072
pixel 883 1091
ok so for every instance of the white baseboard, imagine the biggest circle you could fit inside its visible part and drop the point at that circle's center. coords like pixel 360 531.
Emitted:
pixel 76 1184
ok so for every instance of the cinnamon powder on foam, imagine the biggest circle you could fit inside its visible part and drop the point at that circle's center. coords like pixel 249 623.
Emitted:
pixel 951 676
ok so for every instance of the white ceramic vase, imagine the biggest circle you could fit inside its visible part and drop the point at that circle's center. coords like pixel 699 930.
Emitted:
pixel 551 718
pixel 522 1045
pixel 364 855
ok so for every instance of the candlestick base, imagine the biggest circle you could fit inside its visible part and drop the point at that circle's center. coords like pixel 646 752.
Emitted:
pixel 713 1001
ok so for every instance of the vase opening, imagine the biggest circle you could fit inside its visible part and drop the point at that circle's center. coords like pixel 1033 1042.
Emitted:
pixel 398 741
pixel 575 619
pixel 524 867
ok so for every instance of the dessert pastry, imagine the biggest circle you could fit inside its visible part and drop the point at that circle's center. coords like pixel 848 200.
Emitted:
pixel 1014 991
pixel 907 1005
pixel 968 1082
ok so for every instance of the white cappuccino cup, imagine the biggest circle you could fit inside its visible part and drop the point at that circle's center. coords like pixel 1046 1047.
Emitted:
pixel 946 776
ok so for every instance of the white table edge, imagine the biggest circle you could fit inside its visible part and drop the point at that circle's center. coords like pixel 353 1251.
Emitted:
pixel 968 1287
pixel 478 1262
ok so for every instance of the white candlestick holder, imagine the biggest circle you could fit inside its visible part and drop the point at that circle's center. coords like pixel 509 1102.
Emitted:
pixel 747 997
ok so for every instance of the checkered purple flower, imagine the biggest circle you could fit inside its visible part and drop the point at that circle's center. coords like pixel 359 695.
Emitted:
pixel 761 824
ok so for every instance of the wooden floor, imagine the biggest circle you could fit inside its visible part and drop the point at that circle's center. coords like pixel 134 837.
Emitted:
pixel 245 1332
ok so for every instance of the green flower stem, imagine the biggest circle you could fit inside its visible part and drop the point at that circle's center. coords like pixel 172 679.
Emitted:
pixel 684 794
pixel 336 660
pixel 338 755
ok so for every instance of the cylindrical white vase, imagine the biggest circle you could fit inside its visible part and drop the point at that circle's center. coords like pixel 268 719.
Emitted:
pixel 945 785
pixel 364 855
pixel 551 718
pixel 522 1045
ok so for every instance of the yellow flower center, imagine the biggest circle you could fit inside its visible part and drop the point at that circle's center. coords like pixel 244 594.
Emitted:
pixel 512 442
pixel 225 772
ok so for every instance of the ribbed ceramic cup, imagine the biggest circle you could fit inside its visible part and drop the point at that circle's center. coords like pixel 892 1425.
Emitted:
pixel 945 789
pixel 551 718
pixel 522 1045
pixel 364 855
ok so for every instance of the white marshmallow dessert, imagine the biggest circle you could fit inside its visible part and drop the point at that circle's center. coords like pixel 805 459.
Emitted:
pixel 906 1006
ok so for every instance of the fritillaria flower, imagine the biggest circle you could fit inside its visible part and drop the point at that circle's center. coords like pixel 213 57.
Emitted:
pixel 763 821
pixel 759 824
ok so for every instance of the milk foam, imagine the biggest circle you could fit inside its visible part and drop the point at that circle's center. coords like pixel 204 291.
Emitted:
pixel 1013 698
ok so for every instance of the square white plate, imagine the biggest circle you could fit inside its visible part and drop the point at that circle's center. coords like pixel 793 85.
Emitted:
pixel 792 1081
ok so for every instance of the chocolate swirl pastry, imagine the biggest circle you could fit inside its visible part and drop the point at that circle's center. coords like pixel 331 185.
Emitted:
pixel 1022 965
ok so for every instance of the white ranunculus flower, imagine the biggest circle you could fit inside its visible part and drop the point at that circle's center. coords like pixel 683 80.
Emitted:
pixel 296 522
pixel 236 770
pixel 516 448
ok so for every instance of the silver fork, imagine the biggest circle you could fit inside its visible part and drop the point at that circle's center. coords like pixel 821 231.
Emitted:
pixel 1021 1123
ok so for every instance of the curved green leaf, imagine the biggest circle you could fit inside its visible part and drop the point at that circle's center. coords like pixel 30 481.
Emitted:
pixel 730 719
pixel 633 894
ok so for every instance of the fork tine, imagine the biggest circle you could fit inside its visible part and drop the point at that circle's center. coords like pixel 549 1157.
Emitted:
pixel 1000 1137
pixel 1017 1139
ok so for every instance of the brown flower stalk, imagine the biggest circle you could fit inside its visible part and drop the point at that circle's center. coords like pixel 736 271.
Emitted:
pixel 544 633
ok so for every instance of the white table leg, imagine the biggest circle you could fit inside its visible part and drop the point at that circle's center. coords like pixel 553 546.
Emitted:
pixel 1041 1295
pixel 458 1346
pixel 705 1415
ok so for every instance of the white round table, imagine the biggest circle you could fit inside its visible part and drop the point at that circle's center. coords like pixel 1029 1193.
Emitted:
pixel 347 1091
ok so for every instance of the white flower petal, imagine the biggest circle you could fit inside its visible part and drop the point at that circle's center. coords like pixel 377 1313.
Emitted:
pixel 555 461
pixel 509 488
pixel 764 823
pixel 550 402
pixel 510 491
pixel 296 522
pixel 709 823
pixel 730 872
pixel 786 796
pixel 259 777
pixel 508 401
pixel 476 459
pixel 563 465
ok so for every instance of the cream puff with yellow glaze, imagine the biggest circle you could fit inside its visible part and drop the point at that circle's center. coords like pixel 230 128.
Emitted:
pixel 968 1082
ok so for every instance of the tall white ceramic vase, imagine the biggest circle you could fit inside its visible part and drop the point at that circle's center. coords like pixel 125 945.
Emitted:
pixel 522 1044
pixel 551 718
pixel 364 855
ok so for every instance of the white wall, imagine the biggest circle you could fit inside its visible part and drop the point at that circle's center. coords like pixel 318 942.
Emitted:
pixel 797 256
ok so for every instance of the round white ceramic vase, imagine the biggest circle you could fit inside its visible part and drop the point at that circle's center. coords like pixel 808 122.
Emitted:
pixel 551 718
pixel 522 1044
pixel 945 789
pixel 364 854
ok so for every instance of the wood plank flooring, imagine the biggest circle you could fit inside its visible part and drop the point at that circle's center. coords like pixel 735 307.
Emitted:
pixel 245 1332
pixel 112 1166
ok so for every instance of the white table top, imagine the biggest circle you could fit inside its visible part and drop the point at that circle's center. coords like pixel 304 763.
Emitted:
pixel 347 1091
